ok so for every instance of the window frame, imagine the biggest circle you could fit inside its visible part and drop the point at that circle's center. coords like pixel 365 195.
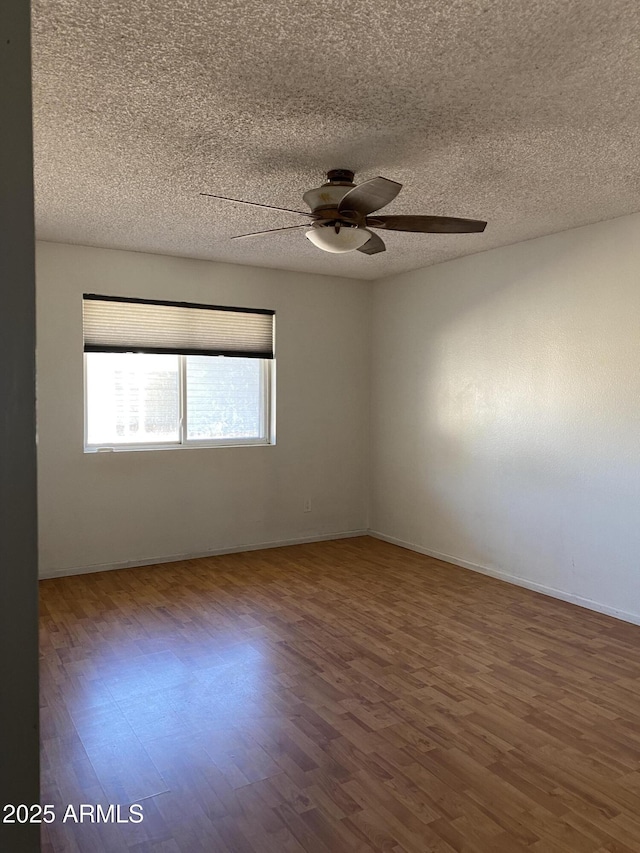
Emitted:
pixel 267 402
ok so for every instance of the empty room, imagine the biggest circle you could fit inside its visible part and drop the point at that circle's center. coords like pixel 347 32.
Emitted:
pixel 320 361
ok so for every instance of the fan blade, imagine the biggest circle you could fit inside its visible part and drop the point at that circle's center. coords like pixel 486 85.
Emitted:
pixel 373 245
pixel 428 224
pixel 256 204
pixel 370 195
pixel 270 231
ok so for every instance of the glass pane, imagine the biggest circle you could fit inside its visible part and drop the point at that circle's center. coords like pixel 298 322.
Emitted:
pixel 132 398
pixel 224 398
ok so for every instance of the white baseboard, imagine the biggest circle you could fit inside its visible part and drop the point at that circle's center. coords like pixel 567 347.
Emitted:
pixel 587 603
pixel 174 558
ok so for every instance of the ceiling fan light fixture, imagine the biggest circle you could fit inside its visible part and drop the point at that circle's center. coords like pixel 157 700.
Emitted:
pixel 345 238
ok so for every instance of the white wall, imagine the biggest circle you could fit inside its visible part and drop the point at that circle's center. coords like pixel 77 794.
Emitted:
pixel 506 412
pixel 117 508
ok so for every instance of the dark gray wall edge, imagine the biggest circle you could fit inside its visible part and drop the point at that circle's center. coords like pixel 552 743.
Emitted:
pixel 19 769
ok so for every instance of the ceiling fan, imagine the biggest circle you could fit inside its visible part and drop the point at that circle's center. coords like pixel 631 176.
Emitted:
pixel 340 215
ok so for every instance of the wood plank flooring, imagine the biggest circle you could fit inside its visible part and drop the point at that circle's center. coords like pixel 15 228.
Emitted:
pixel 339 697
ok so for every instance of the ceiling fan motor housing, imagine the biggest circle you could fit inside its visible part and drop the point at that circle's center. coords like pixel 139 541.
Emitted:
pixel 330 194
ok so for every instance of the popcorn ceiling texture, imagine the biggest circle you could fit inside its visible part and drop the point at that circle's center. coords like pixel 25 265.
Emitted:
pixel 523 114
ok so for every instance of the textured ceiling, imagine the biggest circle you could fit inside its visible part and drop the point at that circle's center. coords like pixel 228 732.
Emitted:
pixel 526 114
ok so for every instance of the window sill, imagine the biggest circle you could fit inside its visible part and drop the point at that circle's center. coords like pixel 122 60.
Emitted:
pixel 194 445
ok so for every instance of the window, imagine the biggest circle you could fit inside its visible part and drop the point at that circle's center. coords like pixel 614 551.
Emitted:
pixel 197 376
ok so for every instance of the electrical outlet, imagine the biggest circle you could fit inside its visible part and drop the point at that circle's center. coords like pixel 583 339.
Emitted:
pixel 307 505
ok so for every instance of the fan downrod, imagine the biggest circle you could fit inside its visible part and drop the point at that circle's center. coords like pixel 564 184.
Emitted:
pixel 340 176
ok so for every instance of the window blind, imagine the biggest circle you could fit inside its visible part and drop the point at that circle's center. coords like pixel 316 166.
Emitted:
pixel 124 324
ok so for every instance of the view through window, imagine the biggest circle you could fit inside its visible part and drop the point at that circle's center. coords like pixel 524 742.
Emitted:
pixel 136 399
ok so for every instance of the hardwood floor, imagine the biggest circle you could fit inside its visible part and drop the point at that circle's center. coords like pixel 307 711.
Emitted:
pixel 338 697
